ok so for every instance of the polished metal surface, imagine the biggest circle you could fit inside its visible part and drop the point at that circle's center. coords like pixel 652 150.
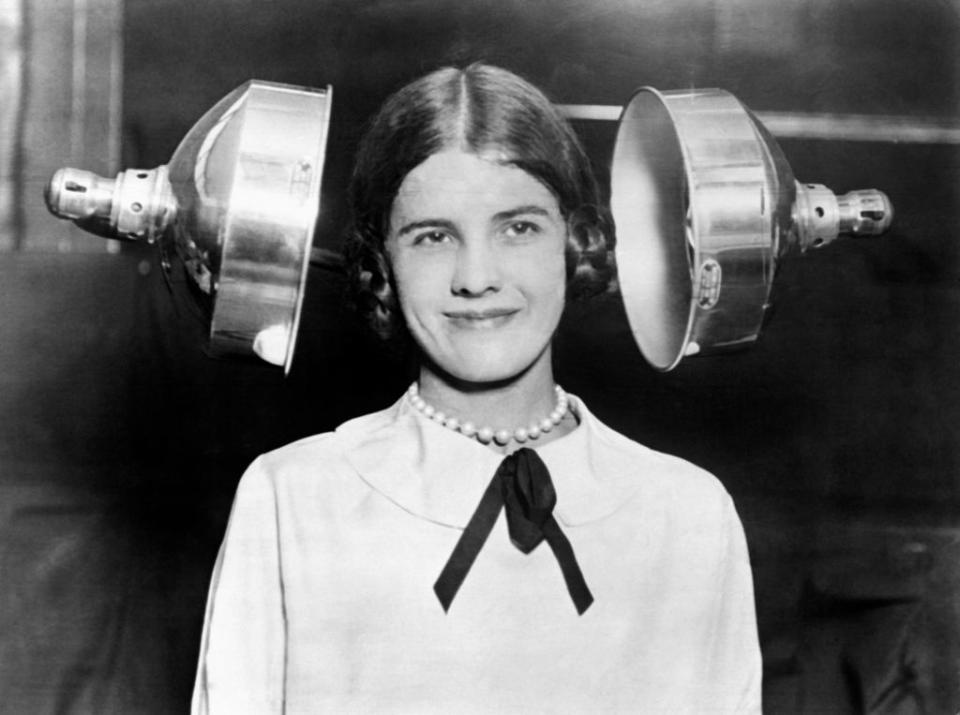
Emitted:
pixel 236 205
pixel 247 181
pixel 137 205
pixel 822 216
pixel 705 205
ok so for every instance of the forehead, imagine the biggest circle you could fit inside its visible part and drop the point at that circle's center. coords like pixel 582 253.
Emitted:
pixel 453 182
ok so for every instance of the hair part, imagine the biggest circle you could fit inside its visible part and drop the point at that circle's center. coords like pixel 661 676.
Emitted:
pixel 480 109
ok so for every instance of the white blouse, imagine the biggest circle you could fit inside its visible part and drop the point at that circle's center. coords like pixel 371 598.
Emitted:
pixel 322 596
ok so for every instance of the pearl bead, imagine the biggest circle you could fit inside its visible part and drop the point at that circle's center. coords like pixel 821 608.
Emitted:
pixel 486 435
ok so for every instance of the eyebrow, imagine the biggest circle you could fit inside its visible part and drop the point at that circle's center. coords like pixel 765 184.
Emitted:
pixel 520 211
pixel 497 217
pixel 426 223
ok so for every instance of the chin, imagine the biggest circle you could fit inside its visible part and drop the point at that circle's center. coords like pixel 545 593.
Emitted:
pixel 484 377
pixel 481 367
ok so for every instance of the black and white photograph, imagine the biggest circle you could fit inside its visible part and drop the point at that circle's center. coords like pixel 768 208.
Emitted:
pixel 479 356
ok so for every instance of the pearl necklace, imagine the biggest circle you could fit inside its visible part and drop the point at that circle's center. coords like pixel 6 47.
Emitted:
pixel 485 435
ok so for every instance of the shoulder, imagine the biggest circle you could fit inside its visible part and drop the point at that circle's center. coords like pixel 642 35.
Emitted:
pixel 657 477
pixel 680 506
pixel 328 444
pixel 320 458
pixel 599 472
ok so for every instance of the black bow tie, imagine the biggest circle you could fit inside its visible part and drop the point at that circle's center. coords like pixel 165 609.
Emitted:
pixel 522 486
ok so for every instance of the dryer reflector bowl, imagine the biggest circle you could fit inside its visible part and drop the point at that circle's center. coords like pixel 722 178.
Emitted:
pixel 236 204
pixel 705 206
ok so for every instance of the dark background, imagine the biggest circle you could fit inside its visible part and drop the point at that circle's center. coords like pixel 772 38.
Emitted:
pixel 837 434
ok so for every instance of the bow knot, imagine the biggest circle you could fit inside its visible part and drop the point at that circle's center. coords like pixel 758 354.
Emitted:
pixel 528 497
pixel 523 488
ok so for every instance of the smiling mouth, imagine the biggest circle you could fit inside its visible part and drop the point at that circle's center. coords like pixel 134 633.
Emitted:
pixel 481 318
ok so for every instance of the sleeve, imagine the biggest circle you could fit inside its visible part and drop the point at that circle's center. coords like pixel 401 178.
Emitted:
pixel 736 660
pixel 241 667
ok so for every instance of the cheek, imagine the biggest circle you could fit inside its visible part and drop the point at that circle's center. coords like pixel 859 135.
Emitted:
pixel 416 285
pixel 548 276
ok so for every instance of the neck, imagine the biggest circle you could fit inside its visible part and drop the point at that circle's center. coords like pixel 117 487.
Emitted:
pixel 499 404
pixel 507 404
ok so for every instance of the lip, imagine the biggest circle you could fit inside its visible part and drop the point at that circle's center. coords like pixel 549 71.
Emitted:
pixel 481 318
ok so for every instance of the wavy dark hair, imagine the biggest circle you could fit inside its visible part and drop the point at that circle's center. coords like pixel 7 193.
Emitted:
pixel 477 109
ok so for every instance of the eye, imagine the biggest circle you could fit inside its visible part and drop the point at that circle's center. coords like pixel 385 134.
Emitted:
pixel 431 238
pixel 518 229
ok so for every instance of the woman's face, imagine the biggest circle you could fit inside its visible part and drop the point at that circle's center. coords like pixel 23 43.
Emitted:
pixel 477 251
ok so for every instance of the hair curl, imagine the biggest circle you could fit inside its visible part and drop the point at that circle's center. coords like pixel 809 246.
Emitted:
pixel 477 109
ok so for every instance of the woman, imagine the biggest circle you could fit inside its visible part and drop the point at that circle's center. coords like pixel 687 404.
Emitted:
pixel 397 564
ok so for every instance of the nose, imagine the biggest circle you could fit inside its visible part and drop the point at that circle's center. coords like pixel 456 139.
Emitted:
pixel 477 270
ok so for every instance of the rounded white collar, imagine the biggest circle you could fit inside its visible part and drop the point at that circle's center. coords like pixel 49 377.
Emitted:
pixel 440 475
